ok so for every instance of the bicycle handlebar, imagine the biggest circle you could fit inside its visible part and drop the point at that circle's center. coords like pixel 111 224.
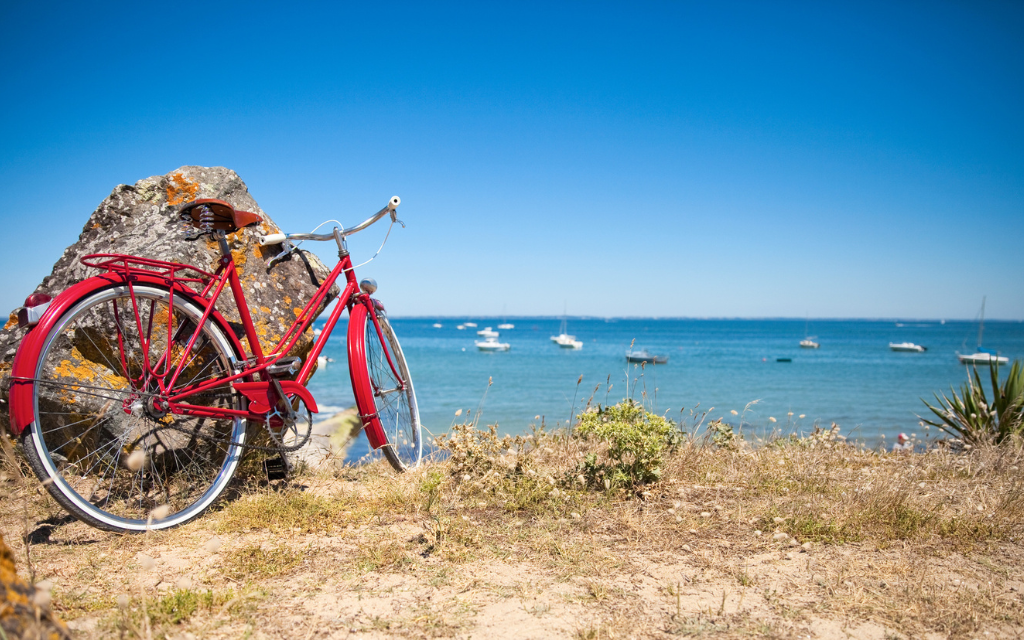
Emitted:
pixel 278 238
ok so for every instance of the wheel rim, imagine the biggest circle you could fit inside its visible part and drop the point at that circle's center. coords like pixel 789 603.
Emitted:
pixel 395 402
pixel 92 410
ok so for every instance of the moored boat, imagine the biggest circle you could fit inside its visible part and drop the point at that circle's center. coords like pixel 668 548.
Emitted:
pixel 981 355
pixel 907 346
pixel 565 340
pixel 641 355
pixel 492 344
pixel 808 342
pixel 487 332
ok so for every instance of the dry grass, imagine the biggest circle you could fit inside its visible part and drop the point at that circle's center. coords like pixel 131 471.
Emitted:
pixel 503 539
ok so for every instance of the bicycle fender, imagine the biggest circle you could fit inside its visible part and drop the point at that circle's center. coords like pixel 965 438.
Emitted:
pixel 23 369
pixel 357 320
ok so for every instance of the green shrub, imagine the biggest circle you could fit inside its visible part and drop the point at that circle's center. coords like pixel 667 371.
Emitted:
pixel 973 418
pixel 723 435
pixel 636 442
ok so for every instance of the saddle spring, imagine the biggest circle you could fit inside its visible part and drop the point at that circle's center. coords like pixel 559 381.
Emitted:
pixel 206 220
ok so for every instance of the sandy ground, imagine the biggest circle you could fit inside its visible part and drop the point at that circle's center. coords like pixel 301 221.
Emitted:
pixel 331 585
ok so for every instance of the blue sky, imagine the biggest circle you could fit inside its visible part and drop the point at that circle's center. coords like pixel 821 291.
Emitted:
pixel 657 159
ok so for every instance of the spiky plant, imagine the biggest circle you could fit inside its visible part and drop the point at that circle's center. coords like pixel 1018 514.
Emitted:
pixel 973 418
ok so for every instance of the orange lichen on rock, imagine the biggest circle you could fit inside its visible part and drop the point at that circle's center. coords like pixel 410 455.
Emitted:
pixel 12 321
pixel 20 615
pixel 181 189
pixel 88 371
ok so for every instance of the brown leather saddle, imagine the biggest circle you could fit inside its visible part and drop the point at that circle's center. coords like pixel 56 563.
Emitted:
pixel 225 216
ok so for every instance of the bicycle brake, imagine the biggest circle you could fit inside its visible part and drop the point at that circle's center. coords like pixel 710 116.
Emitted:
pixel 289 249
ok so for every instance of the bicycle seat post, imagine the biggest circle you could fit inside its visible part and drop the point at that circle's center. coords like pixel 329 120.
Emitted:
pixel 225 251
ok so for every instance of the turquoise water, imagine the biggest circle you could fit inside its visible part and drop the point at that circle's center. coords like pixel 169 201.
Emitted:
pixel 853 379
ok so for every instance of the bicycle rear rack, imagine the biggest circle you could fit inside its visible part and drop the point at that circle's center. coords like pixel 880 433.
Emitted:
pixel 133 265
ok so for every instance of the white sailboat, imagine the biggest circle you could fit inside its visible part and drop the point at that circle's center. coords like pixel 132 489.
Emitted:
pixel 981 355
pixel 505 324
pixel 808 341
pixel 564 340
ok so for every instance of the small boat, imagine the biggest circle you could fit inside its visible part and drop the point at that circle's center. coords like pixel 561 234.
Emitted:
pixel 470 324
pixel 641 355
pixel 492 344
pixel 907 346
pixel 487 332
pixel 981 355
pixel 506 325
pixel 437 325
pixel 461 327
pixel 808 341
pixel 317 331
pixel 783 359
pixel 565 340
pixel 322 361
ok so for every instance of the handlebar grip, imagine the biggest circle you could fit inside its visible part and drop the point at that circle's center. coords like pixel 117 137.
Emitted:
pixel 394 202
pixel 274 238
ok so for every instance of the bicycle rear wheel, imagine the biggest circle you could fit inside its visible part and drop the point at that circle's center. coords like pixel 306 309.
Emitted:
pixel 384 399
pixel 94 411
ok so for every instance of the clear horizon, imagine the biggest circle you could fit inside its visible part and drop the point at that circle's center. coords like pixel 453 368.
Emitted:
pixel 733 160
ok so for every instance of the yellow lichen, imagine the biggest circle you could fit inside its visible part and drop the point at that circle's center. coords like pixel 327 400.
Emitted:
pixel 12 321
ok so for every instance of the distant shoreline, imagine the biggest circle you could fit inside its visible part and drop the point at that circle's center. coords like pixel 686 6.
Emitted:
pixel 702 318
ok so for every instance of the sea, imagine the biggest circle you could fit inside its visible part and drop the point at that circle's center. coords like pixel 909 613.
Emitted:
pixel 716 367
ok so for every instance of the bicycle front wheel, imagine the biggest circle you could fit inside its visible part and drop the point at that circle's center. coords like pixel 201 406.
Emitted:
pixel 383 375
pixel 109 454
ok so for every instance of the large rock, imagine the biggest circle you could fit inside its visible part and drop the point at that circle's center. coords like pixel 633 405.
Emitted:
pixel 141 220
pixel 24 610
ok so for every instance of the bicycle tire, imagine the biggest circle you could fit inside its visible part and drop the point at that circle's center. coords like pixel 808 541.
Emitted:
pixel 90 413
pixel 394 406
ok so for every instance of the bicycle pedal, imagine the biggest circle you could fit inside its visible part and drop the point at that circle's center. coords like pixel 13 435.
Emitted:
pixel 277 468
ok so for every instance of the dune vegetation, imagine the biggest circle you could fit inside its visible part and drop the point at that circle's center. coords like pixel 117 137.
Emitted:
pixel 628 526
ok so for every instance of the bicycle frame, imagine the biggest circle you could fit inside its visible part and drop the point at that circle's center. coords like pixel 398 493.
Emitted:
pixel 261 394
pixel 251 380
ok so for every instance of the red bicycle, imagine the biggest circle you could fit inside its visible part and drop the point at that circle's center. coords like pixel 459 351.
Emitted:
pixel 133 395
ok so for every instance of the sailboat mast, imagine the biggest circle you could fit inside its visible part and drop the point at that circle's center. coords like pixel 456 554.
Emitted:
pixel 981 323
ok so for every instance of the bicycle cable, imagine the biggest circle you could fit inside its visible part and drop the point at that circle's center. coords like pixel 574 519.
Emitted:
pixel 342 228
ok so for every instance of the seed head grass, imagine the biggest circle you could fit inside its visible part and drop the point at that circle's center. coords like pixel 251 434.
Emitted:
pixel 779 533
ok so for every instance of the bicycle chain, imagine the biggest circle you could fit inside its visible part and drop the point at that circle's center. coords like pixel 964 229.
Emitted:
pixel 273 437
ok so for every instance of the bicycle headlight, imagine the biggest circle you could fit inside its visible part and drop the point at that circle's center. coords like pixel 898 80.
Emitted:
pixel 368 285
